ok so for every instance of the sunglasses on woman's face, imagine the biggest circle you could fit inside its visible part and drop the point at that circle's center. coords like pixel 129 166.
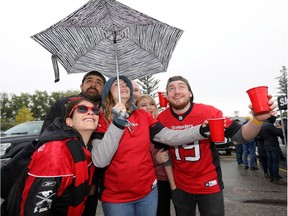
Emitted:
pixel 84 109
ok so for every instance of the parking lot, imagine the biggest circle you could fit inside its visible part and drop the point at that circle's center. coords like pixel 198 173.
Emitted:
pixel 248 192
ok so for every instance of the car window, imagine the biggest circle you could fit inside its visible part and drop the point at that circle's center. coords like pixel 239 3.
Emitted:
pixel 32 128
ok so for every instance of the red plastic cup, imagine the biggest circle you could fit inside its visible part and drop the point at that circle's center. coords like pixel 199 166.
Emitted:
pixel 162 100
pixel 259 99
pixel 216 126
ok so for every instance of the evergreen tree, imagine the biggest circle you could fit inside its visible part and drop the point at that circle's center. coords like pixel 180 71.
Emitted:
pixel 282 80
pixel 149 85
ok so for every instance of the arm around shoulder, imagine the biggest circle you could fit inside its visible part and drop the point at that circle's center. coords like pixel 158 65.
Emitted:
pixel 178 137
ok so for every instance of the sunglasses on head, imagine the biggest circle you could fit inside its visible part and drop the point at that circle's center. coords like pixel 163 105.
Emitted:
pixel 84 109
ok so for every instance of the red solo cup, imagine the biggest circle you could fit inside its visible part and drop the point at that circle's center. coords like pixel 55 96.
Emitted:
pixel 216 126
pixel 259 99
pixel 162 100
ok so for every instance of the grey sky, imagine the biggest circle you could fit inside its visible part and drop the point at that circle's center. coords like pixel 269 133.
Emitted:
pixel 228 46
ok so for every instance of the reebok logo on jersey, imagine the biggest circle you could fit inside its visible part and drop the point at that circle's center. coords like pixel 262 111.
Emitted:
pixel 49 184
pixel 211 183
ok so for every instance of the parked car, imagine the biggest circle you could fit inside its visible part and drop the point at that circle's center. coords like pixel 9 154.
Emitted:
pixel 226 146
pixel 17 137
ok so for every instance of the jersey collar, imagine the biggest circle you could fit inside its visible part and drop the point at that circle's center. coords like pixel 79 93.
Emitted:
pixel 182 116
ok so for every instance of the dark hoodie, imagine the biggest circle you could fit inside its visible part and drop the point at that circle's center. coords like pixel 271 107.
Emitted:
pixel 58 130
pixel 269 133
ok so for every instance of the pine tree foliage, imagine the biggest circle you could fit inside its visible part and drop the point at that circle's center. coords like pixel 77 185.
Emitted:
pixel 149 85
pixel 282 80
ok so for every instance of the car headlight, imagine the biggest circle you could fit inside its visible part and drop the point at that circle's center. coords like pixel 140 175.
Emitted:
pixel 3 147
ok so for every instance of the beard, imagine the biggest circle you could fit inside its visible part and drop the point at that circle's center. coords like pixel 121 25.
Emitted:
pixel 180 106
pixel 92 97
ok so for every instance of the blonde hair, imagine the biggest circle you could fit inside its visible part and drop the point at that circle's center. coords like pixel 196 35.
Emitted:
pixel 150 98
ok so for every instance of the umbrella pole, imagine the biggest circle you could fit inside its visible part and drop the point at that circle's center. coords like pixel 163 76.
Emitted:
pixel 117 69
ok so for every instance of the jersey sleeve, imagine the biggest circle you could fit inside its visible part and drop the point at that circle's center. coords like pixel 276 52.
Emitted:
pixel 104 148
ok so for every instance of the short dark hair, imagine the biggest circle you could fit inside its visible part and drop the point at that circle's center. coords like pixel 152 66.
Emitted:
pixel 96 73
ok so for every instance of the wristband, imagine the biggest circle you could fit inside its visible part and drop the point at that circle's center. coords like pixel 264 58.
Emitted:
pixel 255 121
pixel 205 131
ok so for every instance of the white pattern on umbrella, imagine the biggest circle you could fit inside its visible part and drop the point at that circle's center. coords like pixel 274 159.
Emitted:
pixel 110 37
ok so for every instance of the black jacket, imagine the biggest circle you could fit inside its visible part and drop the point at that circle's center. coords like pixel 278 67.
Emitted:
pixel 269 134
pixel 58 130
pixel 57 110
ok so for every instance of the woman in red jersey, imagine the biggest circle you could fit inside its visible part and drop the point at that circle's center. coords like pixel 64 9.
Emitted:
pixel 130 182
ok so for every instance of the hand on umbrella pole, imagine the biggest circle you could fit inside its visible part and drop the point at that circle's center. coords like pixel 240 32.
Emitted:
pixel 119 114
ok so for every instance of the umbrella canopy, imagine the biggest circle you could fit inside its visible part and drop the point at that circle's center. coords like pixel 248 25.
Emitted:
pixel 112 38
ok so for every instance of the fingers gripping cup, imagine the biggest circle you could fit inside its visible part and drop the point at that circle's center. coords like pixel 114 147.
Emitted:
pixel 162 100
pixel 216 126
pixel 259 99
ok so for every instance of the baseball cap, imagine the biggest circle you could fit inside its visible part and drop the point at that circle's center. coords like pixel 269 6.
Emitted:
pixel 180 78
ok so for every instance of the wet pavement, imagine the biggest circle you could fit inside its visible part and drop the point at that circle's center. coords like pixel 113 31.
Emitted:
pixel 248 192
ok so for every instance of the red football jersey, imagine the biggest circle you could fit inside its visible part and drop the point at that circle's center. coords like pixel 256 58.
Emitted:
pixel 196 165
pixel 131 175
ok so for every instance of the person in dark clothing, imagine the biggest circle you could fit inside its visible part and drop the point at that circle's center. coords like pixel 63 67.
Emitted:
pixel 285 131
pixel 91 88
pixel 60 172
pixel 239 150
pixel 283 124
pixel 262 155
pixel 269 133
